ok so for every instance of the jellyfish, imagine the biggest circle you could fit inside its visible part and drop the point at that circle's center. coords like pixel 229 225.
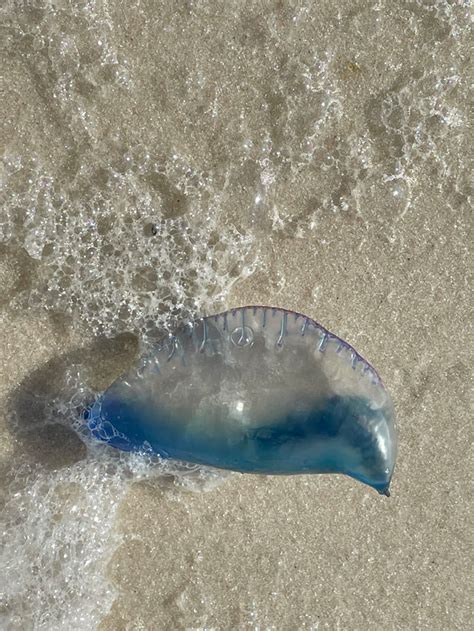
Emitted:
pixel 258 390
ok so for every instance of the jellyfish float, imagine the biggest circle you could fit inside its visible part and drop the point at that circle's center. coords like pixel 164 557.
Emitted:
pixel 256 390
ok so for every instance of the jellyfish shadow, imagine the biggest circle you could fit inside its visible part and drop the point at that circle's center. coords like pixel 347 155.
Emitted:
pixel 40 411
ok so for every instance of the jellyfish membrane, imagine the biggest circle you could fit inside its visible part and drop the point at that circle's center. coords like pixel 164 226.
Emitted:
pixel 256 390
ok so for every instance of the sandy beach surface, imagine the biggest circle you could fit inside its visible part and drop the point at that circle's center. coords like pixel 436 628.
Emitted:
pixel 163 160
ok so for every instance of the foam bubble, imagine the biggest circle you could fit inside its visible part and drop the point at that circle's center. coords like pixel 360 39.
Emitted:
pixel 119 260
pixel 57 536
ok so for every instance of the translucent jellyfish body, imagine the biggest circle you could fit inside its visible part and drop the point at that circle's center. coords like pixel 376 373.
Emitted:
pixel 257 390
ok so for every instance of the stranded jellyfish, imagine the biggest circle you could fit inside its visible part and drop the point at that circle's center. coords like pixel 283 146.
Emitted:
pixel 256 390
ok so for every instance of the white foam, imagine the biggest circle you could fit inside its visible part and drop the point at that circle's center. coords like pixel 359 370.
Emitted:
pixel 58 535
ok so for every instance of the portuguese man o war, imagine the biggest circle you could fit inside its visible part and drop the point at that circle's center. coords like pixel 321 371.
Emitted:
pixel 256 390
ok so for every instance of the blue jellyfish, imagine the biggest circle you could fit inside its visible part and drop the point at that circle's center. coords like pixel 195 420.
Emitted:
pixel 256 390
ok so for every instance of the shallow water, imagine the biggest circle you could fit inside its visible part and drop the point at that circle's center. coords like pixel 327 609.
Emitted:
pixel 163 160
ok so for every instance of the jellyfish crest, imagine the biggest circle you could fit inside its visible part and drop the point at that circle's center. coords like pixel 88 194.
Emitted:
pixel 256 390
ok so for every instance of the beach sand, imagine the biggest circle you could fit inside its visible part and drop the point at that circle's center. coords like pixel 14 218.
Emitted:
pixel 165 159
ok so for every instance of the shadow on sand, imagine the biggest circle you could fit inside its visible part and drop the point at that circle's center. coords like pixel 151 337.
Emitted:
pixel 39 409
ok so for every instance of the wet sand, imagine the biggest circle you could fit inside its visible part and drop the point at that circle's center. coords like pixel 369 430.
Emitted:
pixel 312 159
